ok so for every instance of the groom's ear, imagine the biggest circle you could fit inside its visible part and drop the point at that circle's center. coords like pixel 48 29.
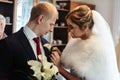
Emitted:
pixel 40 19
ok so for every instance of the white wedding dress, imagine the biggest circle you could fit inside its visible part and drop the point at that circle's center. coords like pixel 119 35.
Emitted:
pixel 94 58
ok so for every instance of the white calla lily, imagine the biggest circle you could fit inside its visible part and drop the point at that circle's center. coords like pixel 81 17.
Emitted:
pixel 43 69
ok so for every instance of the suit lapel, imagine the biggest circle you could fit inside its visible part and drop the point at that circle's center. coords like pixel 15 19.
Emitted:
pixel 26 45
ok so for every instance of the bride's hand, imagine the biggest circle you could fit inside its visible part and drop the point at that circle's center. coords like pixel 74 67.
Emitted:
pixel 55 57
pixel 56 49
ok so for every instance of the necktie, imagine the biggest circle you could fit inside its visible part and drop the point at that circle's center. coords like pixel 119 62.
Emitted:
pixel 37 40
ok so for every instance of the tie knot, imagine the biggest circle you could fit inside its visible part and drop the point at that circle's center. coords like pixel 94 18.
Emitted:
pixel 37 39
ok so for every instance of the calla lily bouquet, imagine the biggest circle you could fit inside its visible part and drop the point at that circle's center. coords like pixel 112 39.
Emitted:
pixel 43 70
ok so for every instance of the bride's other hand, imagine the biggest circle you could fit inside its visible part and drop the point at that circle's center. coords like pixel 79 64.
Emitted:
pixel 56 49
pixel 55 57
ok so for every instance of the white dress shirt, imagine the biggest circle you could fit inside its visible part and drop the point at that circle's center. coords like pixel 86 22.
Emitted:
pixel 30 35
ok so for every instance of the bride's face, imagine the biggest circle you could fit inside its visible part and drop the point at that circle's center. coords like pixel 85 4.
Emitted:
pixel 74 29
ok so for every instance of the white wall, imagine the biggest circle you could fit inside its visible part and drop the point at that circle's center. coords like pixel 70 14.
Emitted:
pixel 105 7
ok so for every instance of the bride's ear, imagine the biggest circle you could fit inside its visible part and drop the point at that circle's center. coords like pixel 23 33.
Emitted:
pixel 86 28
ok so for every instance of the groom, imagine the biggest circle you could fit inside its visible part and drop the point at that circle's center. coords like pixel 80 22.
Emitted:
pixel 17 49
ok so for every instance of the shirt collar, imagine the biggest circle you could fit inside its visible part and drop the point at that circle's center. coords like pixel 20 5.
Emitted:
pixel 29 33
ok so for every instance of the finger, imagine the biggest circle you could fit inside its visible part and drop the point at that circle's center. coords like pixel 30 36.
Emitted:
pixel 55 53
pixel 56 56
pixel 56 49
pixel 53 60
pixel 53 56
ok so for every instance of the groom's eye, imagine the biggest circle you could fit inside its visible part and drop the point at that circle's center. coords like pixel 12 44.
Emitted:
pixel 52 25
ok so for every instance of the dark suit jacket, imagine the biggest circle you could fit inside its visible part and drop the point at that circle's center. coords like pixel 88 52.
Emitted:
pixel 15 51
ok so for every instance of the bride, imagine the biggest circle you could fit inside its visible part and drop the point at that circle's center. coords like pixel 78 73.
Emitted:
pixel 90 53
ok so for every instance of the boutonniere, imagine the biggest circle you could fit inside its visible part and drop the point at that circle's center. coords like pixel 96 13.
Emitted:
pixel 48 47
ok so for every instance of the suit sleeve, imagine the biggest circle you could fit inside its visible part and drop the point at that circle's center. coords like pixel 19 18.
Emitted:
pixel 5 61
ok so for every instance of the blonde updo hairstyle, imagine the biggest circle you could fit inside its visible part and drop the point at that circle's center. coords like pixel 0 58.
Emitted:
pixel 81 16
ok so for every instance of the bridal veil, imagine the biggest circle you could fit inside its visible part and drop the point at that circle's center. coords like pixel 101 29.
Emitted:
pixel 102 28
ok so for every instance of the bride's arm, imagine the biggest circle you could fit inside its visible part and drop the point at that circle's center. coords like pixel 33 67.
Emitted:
pixel 55 57
pixel 68 75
